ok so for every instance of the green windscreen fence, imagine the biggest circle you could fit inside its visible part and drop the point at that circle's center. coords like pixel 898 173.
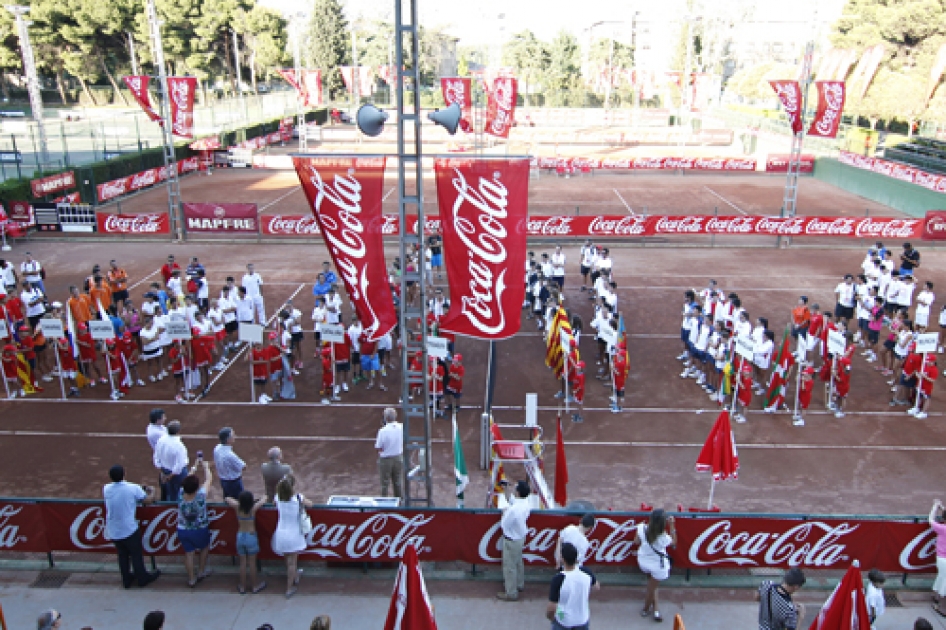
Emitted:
pixel 904 196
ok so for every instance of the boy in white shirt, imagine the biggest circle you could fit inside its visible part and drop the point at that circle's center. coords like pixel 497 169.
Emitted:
pixel 354 337
pixel 558 267
pixel 875 595
pixel 844 310
pixel 892 297
pixel 689 302
pixel 924 303
pixel 589 256
pixel 333 307
pixel 907 287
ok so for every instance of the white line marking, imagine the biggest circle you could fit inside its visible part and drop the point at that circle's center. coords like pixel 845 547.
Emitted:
pixel 626 205
pixel 724 200
pixel 385 198
pixel 276 200
pixel 145 279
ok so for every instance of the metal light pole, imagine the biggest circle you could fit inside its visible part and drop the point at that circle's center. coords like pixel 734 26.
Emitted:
pixel 236 68
pixel 355 75
pixel 32 80
pixel 297 30
pixel 131 53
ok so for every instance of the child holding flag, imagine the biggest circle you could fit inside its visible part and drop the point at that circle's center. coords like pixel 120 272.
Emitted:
pixel 328 375
pixel 842 378
pixel 455 382
pixel 805 388
pixel 927 377
pixel 10 371
pixel 577 378
pixel 619 370
pixel 67 365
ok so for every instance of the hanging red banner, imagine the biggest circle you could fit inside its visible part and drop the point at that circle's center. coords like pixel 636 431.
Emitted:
pixel 138 86
pixel 459 90
pixel 484 207
pixel 501 107
pixel 344 194
pixel 182 91
pixel 312 87
pixel 289 74
pixel 387 74
pixel 789 94
pixel 830 104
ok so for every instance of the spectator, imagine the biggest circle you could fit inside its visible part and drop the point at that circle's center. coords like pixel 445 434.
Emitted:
pixel 155 431
pixel 121 527
pixel 937 521
pixel 8 279
pixel 118 283
pixel 654 537
pixel 322 286
pixel 229 466
pixel 273 471
pixel 390 447
pixel 168 269
pixel 253 283
pixel 171 455
pixel 909 260
pixel 288 540
pixel 575 535
pixel 322 622
pixel 777 611
pixel 514 527
pixel 193 526
pixel 49 620
pixel 80 305
pixel 194 268
pixel 154 620
pixel 33 272
pixel 247 542
pixel 330 276
pixel 34 301
pixel 568 599
pixel 922 623
pixel 875 594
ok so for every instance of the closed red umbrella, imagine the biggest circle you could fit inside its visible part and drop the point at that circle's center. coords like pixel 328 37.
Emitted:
pixel 410 606
pixel 846 609
pixel 719 454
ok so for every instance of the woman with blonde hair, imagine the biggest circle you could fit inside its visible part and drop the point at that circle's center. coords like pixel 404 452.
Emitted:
pixel 288 539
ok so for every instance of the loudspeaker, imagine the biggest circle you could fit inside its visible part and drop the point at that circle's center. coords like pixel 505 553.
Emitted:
pixel 370 119
pixel 448 118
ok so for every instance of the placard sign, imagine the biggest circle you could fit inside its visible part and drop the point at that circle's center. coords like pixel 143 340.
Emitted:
pixel 333 333
pixel 4 333
pixel 836 342
pixel 927 342
pixel 609 335
pixel 250 333
pixel 52 328
pixel 178 330
pixel 437 347
pixel 101 330
pixel 745 347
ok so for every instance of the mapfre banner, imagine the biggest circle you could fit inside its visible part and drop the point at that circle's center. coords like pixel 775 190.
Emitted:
pixel 830 105
pixel 458 90
pixel 53 183
pixel 789 94
pixel 339 535
pixel 935 226
pixel 221 217
pixel 182 91
pixel 501 107
pixel 484 206
pixel 344 194
pixel 138 86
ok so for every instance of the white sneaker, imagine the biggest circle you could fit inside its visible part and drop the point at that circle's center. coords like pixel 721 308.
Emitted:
pixel 91 382
pixel 263 399
pixel 714 396
pixel 741 419
pixel 345 387
pixel 798 421
pixel 920 416
pixel 47 378
pixel 152 379
pixel 326 401
pixel 685 356
pixel 337 389
pixel 913 411
pixel 22 394
pixel 839 414
pixel 220 366
pixel 684 373
pixel 140 383
pixel 701 379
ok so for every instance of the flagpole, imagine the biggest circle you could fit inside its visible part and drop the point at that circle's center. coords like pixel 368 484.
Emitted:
pixel 709 505
pixel 735 389
pixel 919 381
pixel 62 384
pixel 6 384
pixel 111 379
pixel 800 366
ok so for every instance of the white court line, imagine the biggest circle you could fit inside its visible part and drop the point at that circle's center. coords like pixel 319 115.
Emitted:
pixel 724 200
pixel 145 279
pixel 385 198
pixel 626 205
pixel 277 200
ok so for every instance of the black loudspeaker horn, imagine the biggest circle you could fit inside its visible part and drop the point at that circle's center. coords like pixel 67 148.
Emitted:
pixel 448 118
pixel 371 119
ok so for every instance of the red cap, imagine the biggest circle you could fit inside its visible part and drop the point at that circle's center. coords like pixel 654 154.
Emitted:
pixel 82 326
pixel 581 365
pixel 273 335
pixel 126 335
pixel 24 327
pixel 809 370
pixel 458 357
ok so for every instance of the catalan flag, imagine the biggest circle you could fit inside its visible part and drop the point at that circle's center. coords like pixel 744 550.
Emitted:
pixel 555 353
pixel 25 374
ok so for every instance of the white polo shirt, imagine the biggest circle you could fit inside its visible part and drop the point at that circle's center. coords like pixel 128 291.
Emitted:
pixel 390 440
pixel 845 294
pixel 572 534
pixel 513 521
pixel 252 283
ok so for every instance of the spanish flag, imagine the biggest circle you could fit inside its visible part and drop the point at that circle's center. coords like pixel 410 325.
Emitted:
pixel 555 353
pixel 24 373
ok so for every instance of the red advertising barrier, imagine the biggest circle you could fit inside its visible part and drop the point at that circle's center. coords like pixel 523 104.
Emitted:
pixel 934 228
pixel 651 225
pixel 261 141
pixel 53 183
pixel 936 183
pixel 20 211
pixel 647 163
pixel 124 185
pixel 717 541
pixel 151 223
pixel 778 163
pixel 70 198
pixel 221 217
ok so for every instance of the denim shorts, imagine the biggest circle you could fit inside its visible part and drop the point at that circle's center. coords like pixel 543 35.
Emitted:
pixel 247 543
pixel 194 539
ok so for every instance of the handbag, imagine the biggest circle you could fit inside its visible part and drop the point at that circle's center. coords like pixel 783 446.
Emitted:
pixel 305 523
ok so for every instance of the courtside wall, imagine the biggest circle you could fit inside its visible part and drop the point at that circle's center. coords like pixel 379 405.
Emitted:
pixel 904 196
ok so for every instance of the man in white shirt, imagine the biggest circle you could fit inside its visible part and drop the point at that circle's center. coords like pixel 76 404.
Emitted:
pixel 7 276
pixel 244 307
pixel 33 300
pixel 175 288
pixel 170 455
pixel 155 431
pixel 253 283
pixel 589 256
pixel 892 295
pixel 390 447
pixel 32 272
pixel 514 528
pixel 354 339
pixel 576 535
pixel 844 310
pixel 558 267
pixel 546 266
pixel 568 596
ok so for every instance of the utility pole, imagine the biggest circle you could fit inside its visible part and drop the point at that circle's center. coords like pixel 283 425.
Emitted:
pixel 236 67
pixel 355 75
pixel 131 53
pixel 32 80
pixel 297 30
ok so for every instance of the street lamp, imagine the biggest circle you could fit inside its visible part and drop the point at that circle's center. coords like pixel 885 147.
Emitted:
pixel 32 80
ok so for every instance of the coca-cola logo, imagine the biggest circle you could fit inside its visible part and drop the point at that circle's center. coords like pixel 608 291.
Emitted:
pixel 134 83
pixel 928 180
pixel 375 538
pixel 550 226
pixel 779 226
pixel 886 228
pixel 808 544
pixel 611 542
pixel 504 91
pixel 710 164
pixel 919 553
pixel 87 531
pixel 137 224
pixel 680 225
pixel 390 225
pixel 648 163
pixel 739 164
pixel 835 227
pixel 731 225
pixel 686 163
pixel 114 188
pixel 182 101
pixel 10 532
pixel 144 179
pixel 623 226
pixel 615 163
pixel 789 93
pixel 292 226
pixel 833 95
pixel 455 92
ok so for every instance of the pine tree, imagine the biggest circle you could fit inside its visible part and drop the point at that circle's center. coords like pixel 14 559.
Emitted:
pixel 329 43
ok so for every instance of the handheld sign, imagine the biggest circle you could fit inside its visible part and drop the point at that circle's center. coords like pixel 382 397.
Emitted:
pixel 52 328
pixel 836 342
pixel 745 347
pixel 609 335
pixel 101 330
pixel 437 347
pixel 4 333
pixel 927 342
pixel 333 333
pixel 565 340
pixel 178 330
pixel 250 333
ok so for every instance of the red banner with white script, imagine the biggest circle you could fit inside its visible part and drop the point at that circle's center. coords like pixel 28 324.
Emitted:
pixel 124 185
pixel 778 163
pixel 501 107
pixel 458 90
pixel 137 224
pixel 344 194
pixel 897 170
pixel 789 94
pixel 934 228
pixel 138 86
pixel 221 217
pixel 182 91
pixel 312 87
pixel 53 183
pixel 721 164
pixel 484 205
pixel 830 105
pixel 341 535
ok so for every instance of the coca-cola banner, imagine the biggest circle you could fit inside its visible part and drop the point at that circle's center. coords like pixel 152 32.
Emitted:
pixel 344 194
pixel 53 183
pixel 501 107
pixel 930 181
pixel 70 198
pixel 138 86
pixel 458 90
pixel 182 91
pixel 312 87
pixel 647 163
pixel 365 79
pixel 789 93
pixel 124 185
pixel 778 163
pixel 140 224
pixel 221 217
pixel 289 74
pixel 830 104
pixel 934 228
pixel 704 542
pixel 484 205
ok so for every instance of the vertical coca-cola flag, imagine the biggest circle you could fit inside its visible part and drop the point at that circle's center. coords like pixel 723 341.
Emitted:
pixel 484 207
pixel 312 87
pixel 459 90
pixel 830 104
pixel 789 93
pixel 344 194
pixel 289 74
pixel 501 107
pixel 387 74
pixel 182 91
pixel 138 86
pixel 347 73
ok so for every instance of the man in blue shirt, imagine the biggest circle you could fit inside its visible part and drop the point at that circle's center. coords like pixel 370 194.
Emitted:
pixel 121 526
pixel 330 276
pixel 322 286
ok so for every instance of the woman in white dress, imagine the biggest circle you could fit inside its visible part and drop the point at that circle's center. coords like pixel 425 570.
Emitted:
pixel 288 540
pixel 654 538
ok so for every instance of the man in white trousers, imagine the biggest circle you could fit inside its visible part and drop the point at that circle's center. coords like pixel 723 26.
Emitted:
pixel 253 283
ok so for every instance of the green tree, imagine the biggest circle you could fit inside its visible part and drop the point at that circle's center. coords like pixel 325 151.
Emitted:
pixel 562 76
pixel 264 41
pixel 9 51
pixel 529 57
pixel 328 44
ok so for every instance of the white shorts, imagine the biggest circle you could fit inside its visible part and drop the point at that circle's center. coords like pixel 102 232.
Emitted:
pixel 922 318
pixel 814 343
pixel 653 568
pixel 147 355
